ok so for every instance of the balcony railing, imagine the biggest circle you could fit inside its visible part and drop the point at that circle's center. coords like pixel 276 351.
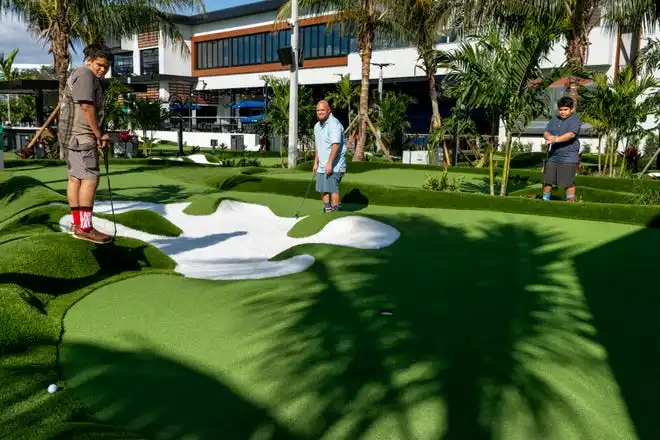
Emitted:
pixel 210 124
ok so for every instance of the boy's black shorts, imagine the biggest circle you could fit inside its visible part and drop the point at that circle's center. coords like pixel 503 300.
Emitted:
pixel 560 174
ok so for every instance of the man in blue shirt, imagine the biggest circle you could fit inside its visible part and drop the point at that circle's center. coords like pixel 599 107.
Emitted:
pixel 561 136
pixel 330 160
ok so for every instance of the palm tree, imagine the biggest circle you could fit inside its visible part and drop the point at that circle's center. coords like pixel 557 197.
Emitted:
pixel 421 22
pixel 6 65
pixel 368 17
pixel 624 103
pixel 61 23
pixel 505 77
pixel 650 55
pixel 576 17
pixel 344 97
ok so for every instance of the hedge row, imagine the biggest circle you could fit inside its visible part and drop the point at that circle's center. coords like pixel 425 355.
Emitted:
pixel 533 176
pixel 387 196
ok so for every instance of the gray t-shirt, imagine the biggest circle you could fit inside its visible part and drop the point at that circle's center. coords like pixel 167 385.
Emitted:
pixel 74 131
pixel 565 152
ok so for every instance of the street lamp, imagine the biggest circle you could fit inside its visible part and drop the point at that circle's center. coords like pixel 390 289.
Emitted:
pixel 380 77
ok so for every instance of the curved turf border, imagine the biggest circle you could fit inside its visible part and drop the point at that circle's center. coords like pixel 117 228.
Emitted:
pixel 402 197
pixel 533 176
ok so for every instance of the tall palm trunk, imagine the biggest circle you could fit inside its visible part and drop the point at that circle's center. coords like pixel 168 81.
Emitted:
pixel 491 168
pixel 436 119
pixel 60 49
pixel 507 162
pixel 600 140
pixel 577 40
pixel 366 39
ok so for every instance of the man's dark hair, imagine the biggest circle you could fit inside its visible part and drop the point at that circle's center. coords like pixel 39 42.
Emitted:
pixel 94 51
pixel 565 101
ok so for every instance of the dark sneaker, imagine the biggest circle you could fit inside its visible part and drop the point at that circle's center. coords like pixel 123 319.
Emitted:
pixel 336 208
pixel 327 208
pixel 92 235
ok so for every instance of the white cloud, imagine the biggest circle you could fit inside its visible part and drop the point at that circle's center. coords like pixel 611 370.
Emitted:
pixel 14 35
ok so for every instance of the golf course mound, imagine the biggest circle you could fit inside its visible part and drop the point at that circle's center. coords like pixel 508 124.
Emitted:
pixel 56 264
pixel 20 193
pixel 47 219
pixel 240 240
pixel 23 319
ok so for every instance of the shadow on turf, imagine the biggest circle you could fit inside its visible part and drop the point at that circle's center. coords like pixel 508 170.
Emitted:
pixel 112 259
pixel 15 187
pixel 477 323
pixel 476 319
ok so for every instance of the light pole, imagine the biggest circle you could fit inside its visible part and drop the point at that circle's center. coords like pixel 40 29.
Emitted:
pixel 293 88
pixel 380 78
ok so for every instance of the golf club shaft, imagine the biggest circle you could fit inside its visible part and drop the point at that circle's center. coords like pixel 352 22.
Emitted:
pixel 112 207
pixel 306 193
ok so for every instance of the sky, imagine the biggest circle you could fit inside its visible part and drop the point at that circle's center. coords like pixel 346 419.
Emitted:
pixel 14 35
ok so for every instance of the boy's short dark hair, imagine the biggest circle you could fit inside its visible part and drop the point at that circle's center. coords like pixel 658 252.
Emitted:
pixel 94 51
pixel 565 101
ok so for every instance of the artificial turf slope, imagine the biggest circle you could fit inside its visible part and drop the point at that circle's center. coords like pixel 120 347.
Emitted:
pixel 502 326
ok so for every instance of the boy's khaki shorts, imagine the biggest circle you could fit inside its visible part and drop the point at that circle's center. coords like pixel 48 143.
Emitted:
pixel 83 164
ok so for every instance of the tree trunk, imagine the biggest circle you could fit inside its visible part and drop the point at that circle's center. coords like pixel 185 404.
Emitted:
pixel 491 166
pixel 600 140
pixel 577 39
pixel 436 119
pixel 366 38
pixel 60 49
pixel 507 161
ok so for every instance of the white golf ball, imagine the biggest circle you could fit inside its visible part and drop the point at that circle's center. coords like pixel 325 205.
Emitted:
pixel 52 388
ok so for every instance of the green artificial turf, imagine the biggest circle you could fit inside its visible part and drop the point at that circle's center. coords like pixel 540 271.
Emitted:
pixel 47 218
pixel 23 319
pixel 57 264
pixel 21 193
pixel 147 221
pixel 490 335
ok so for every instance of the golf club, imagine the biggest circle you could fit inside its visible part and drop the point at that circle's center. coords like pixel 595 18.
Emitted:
pixel 112 207
pixel 306 192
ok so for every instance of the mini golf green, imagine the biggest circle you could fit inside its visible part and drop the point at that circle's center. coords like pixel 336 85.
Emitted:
pixel 472 325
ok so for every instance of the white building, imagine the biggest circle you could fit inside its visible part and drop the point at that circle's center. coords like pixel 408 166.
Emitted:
pixel 230 51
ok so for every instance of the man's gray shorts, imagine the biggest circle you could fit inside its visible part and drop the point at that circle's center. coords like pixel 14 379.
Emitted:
pixel 560 174
pixel 328 184
pixel 83 164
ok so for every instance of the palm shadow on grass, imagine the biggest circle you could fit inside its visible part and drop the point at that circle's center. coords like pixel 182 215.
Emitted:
pixel 472 319
pixel 204 407
pixel 485 340
pixel 621 287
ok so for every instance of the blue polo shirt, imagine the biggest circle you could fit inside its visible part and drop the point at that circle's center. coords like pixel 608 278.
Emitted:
pixel 325 134
pixel 564 152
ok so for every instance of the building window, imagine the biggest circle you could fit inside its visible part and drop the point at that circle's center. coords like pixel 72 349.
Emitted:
pixel 317 41
pixel 122 65
pixel 149 61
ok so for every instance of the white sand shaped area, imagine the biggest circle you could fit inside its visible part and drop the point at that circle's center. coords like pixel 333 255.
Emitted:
pixel 197 158
pixel 239 239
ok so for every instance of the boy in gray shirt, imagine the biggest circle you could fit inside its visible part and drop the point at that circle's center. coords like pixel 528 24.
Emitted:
pixel 80 137
pixel 561 136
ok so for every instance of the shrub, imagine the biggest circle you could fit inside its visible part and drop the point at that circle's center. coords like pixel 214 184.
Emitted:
pixel 211 158
pixel 247 162
pixel 434 183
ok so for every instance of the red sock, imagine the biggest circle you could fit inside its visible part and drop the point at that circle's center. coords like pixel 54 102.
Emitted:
pixel 85 218
pixel 75 212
